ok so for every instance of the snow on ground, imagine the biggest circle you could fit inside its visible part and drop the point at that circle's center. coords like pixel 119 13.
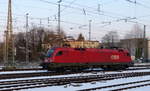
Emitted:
pixel 71 87
pixel 146 88
pixel 16 72
pixel 141 63
pixel 137 67
pixel 1 67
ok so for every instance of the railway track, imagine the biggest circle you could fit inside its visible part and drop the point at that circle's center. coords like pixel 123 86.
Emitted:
pixel 38 74
pixel 30 69
pixel 148 65
pixel 131 87
pixel 20 69
pixel 37 83
pixel 117 85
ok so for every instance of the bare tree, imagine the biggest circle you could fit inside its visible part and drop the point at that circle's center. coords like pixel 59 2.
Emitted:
pixel 36 39
pixel 37 36
pixel 136 32
pixel 80 37
pixel 20 43
pixel 135 42
pixel 1 52
pixel 110 39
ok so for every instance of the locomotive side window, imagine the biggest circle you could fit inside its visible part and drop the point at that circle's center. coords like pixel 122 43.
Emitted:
pixel 59 53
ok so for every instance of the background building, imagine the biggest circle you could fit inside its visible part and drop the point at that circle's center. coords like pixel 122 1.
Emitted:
pixel 137 47
pixel 83 44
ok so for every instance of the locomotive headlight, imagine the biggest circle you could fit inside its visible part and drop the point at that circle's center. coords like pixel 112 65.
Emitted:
pixel 50 60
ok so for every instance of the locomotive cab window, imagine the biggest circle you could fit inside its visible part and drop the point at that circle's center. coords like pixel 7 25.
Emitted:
pixel 59 53
pixel 50 52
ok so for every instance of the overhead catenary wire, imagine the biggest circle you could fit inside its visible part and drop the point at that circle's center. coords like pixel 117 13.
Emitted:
pixel 138 3
pixel 67 6
pixel 48 2
pixel 80 9
pixel 71 22
pixel 85 13
pixel 53 3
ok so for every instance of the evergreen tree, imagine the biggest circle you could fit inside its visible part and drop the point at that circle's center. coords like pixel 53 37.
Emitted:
pixel 80 37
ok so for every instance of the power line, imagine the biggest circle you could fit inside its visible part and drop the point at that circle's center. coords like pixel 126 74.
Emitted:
pixel 68 5
pixel 68 22
pixel 136 2
pixel 79 5
pixel 81 9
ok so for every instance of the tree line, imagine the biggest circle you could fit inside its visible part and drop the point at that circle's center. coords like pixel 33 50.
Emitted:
pixel 35 38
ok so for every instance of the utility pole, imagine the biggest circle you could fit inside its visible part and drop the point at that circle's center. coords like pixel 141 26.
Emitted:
pixel 90 30
pixel 13 49
pixel 145 42
pixel 9 45
pixel 27 28
pixel 40 22
pixel 59 16
pixel 112 41
pixel 144 35
pixel 6 47
pixel 48 22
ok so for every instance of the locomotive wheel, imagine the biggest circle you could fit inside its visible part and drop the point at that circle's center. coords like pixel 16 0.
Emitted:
pixel 76 69
pixel 60 70
pixel 105 67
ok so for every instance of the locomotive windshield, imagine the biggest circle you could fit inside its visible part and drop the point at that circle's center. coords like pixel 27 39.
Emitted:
pixel 50 52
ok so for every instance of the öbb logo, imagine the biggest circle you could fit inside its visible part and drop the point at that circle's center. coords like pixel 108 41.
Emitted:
pixel 114 57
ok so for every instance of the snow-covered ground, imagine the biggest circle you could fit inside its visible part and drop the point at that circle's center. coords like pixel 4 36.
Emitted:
pixel 72 87
pixel 1 67
pixel 146 88
pixel 16 72
pixel 142 63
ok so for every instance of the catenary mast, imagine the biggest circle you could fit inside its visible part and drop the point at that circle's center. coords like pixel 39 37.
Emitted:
pixel 9 43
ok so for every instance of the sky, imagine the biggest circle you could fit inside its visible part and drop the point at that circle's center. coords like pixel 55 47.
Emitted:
pixel 106 15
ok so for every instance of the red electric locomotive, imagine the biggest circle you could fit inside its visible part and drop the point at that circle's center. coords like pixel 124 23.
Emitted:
pixel 82 58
